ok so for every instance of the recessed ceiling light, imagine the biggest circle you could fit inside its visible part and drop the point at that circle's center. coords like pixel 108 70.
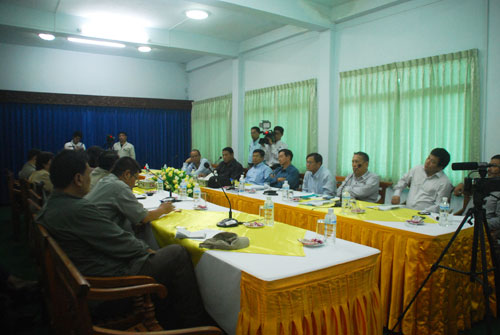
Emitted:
pixel 197 14
pixel 144 49
pixel 94 42
pixel 47 37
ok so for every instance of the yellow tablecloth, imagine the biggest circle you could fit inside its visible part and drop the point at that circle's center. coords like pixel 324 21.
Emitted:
pixel 448 303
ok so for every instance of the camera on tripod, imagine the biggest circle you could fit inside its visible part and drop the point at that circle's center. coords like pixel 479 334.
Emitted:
pixel 483 186
pixel 110 141
pixel 266 130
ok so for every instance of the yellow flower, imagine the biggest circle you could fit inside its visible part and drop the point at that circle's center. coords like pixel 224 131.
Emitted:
pixel 176 186
pixel 176 182
pixel 190 191
pixel 189 185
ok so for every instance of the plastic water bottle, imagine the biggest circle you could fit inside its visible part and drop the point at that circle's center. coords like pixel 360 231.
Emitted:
pixel 146 167
pixel 159 185
pixel 183 190
pixel 269 212
pixel 285 189
pixel 346 199
pixel 196 195
pixel 444 210
pixel 241 186
pixel 330 226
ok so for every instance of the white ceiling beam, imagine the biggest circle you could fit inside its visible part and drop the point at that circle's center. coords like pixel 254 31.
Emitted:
pixel 357 8
pixel 271 37
pixel 202 62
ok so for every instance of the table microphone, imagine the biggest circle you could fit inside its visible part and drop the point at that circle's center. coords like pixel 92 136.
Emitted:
pixel 227 222
pixel 339 204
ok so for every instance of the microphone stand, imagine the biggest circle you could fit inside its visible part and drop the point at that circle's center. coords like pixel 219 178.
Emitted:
pixel 227 222
pixel 339 204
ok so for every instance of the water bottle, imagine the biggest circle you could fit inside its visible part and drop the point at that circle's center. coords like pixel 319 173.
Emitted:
pixel 269 212
pixel 196 195
pixel 346 199
pixel 241 186
pixel 285 189
pixel 183 190
pixel 146 167
pixel 330 226
pixel 444 210
pixel 159 185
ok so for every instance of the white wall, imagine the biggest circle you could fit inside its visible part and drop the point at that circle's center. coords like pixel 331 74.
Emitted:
pixel 210 81
pixel 59 71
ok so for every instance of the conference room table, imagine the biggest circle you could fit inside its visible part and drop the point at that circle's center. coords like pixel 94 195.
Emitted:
pixel 276 285
pixel 448 303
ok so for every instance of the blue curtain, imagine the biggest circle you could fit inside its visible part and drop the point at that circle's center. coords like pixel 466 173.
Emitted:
pixel 159 136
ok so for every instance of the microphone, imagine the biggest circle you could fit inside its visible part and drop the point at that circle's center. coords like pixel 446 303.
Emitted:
pixel 227 222
pixel 470 166
pixel 339 204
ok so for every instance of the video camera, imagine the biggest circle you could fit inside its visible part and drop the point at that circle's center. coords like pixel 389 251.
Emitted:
pixel 110 141
pixel 484 186
pixel 266 130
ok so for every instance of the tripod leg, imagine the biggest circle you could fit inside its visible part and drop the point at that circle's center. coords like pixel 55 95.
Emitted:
pixel 484 270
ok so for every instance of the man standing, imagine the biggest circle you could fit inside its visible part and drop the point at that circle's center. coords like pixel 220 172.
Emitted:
pixel 254 145
pixel 30 166
pixel 259 171
pixel 428 183
pixel 229 168
pixel 363 184
pixel 273 148
pixel 75 143
pixel 318 178
pixel 124 148
pixel 286 171
pixel 99 247
pixel 195 165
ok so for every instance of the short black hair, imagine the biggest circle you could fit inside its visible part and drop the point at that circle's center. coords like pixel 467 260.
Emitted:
pixel 317 157
pixel 496 157
pixel 43 158
pixel 33 153
pixel 229 149
pixel 287 153
pixel 280 129
pixel 107 159
pixel 93 154
pixel 256 128
pixel 198 151
pixel 260 152
pixel 77 134
pixel 123 164
pixel 122 132
pixel 65 166
pixel 442 155
pixel 364 155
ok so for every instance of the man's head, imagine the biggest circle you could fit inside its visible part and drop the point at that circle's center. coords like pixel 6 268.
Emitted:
pixel 314 162
pixel 93 154
pixel 32 155
pixel 360 162
pixel 122 137
pixel 437 160
pixel 278 133
pixel 127 170
pixel 255 133
pixel 285 157
pixel 77 136
pixel 494 171
pixel 195 156
pixel 258 156
pixel 107 159
pixel 227 154
pixel 69 171
pixel 43 160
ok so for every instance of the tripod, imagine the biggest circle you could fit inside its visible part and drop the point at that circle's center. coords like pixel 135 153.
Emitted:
pixel 480 228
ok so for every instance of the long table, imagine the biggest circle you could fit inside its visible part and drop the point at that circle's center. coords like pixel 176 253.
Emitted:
pixel 328 290
pixel 448 303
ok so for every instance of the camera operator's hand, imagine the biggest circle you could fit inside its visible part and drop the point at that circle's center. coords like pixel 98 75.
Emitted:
pixel 188 160
pixel 269 140
pixel 458 190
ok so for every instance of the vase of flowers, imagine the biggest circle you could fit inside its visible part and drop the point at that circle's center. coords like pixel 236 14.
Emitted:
pixel 172 179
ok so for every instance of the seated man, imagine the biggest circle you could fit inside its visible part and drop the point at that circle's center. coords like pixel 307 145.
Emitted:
pixel 286 171
pixel 318 178
pixel 30 166
pixel 43 161
pixel 229 168
pixel 75 143
pixel 428 183
pixel 259 170
pixel 105 162
pixel 114 197
pixel 100 247
pixel 195 165
pixel 363 184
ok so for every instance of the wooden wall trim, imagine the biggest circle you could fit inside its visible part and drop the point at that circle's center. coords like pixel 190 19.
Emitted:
pixel 92 100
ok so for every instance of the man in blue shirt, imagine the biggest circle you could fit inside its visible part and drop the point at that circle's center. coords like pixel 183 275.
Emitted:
pixel 259 171
pixel 254 145
pixel 195 165
pixel 286 171
pixel 318 178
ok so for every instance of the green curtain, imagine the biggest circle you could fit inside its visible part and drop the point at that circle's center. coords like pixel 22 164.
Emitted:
pixel 292 106
pixel 397 113
pixel 211 126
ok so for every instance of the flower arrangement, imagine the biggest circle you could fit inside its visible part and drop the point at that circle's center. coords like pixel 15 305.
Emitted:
pixel 172 179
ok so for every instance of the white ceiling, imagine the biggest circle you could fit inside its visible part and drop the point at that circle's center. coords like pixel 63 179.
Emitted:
pixel 233 26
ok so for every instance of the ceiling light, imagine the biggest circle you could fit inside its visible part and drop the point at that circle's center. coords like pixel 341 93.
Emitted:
pixel 114 29
pixel 94 42
pixel 47 37
pixel 197 14
pixel 144 49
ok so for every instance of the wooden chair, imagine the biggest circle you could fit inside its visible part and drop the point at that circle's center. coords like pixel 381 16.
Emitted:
pixel 70 293
pixel 381 190
pixel 15 202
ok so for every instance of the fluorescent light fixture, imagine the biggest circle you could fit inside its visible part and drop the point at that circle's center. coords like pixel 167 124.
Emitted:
pixel 144 49
pixel 197 14
pixel 47 37
pixel 118 29
pixel 94 42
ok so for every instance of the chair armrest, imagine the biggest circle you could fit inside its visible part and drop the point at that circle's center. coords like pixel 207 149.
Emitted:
pixel 126 292
pixel 187 331
pixel 112 282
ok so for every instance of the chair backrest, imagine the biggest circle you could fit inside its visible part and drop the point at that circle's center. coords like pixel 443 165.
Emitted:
pixel 15 199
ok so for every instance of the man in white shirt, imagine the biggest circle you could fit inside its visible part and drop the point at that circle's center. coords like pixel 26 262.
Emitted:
pixel 254 145
pixel 428 183
pixel 363 184
pixel 317 178
pixel 195 165
pixel 75 143
pixel 274 147
pixel 124 148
